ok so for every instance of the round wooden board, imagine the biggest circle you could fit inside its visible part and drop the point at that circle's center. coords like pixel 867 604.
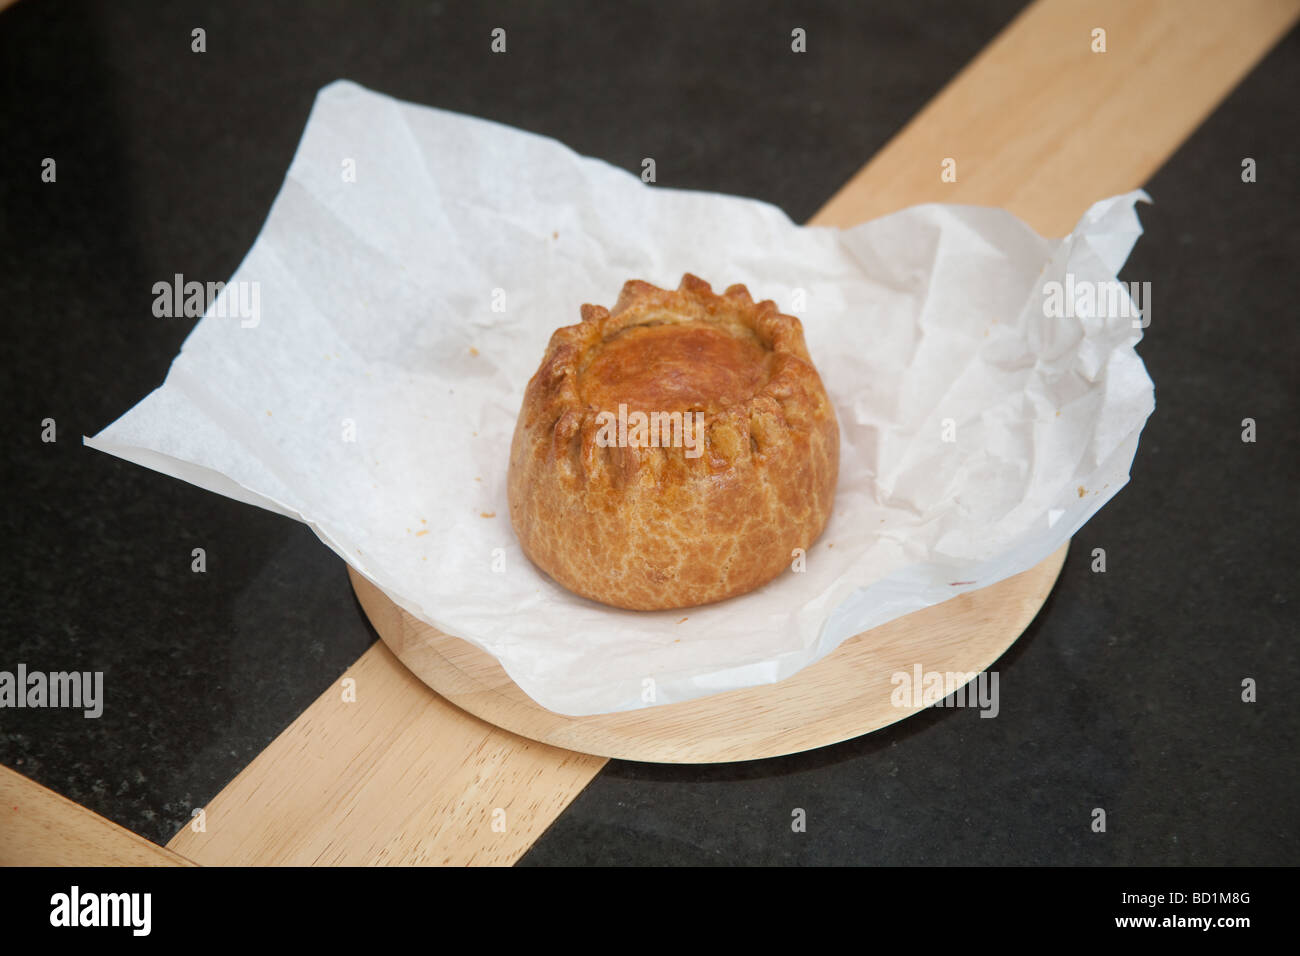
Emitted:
pixel 844 695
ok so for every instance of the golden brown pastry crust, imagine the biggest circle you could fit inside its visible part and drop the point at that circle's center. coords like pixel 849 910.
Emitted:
pixel 663 527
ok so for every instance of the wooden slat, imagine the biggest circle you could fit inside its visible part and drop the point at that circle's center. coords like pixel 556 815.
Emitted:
pixel 397 776
pixel 1038 124
pixel 1041 125
pixel 38 827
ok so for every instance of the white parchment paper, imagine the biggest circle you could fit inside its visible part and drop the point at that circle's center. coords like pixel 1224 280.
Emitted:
pixel 374 394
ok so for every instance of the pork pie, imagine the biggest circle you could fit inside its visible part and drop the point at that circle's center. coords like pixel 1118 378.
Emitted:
pixel 674 450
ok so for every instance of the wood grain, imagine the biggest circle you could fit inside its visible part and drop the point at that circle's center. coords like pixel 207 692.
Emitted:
pixel 1037 123
pixel 38 827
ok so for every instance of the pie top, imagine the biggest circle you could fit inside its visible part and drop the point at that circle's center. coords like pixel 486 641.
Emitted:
pixel 743 365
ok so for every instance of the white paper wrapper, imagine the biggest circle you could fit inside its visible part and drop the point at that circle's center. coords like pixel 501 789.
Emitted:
pixel 407 310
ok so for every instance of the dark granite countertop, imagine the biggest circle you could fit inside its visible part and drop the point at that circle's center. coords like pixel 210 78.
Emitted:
pixel 1125 692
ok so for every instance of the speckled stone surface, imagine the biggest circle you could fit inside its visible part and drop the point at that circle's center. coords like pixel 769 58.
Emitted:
pixel 1124 693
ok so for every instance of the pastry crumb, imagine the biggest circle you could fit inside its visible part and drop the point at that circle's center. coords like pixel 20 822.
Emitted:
pixel 419 533
pixel 487 514
pixel 683 620
pixel 555 235
pixel 1082 491
pixel 473 351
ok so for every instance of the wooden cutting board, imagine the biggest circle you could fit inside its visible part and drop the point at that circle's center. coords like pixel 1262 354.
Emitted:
pixel 848 693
